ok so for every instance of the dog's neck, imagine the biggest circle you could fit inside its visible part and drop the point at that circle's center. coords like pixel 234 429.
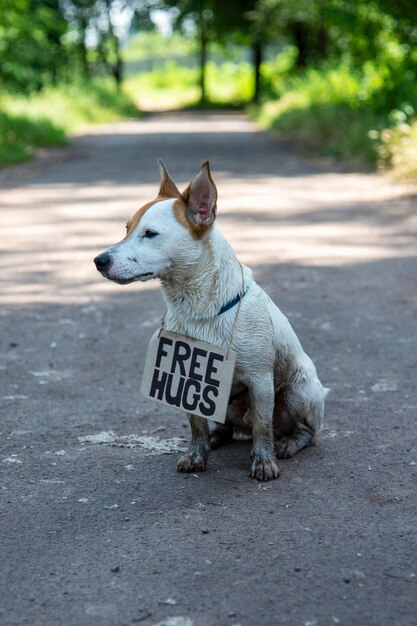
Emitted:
pixel 199 289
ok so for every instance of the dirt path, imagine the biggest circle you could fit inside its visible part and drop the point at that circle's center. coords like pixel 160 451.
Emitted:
pixel 107 533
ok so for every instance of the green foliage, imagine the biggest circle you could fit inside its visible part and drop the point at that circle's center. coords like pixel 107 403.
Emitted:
pixel 43 118
pixel 344 78
pixel 168 86
pixel 145 45
pixel 69 106
pixel 229 83
pixel 172 85
pixel 343 111
pixel 31 50
pixel 397 145
pixel 358 100
pixel 20 135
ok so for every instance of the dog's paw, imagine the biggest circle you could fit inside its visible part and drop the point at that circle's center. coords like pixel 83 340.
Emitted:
pixel 264 470
pixel 285 448
pixel 192 461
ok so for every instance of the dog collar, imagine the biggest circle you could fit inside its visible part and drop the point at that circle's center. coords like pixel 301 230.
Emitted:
pixel 233 302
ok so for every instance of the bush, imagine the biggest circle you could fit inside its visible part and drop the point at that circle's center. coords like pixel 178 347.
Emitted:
pixel 20 135
pixel 397 146
pixel 345 112
pixel 43 118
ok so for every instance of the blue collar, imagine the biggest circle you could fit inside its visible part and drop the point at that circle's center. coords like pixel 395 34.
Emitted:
pixel 233 302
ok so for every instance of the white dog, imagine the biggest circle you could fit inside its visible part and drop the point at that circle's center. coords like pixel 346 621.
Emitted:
pixel 276 394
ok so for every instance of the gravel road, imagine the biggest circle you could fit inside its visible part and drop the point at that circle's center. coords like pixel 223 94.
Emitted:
pixel 97 528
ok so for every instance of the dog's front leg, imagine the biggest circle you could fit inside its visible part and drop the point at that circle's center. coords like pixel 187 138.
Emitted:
pixel 264 466
pixel 195 459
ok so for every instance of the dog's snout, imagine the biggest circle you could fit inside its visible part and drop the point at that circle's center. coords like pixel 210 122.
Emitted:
pixel 102 261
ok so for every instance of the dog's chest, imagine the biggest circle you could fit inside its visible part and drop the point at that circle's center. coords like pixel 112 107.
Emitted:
pixel 214 331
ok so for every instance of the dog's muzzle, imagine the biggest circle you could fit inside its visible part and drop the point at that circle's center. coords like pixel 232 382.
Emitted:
pixel 103 262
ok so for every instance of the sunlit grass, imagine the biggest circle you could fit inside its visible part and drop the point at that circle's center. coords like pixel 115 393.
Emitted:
pixel 21 134
pixel 329 110
pixel 335 111
pixel 44 118
pixel 398 150
pixel 348 114
pixel 168 87
pixel 152 44
pixel 174 86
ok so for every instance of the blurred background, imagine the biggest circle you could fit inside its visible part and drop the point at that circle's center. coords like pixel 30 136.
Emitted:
pixel 339 75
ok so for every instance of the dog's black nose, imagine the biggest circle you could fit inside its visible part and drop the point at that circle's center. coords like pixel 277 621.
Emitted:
pixel 102 261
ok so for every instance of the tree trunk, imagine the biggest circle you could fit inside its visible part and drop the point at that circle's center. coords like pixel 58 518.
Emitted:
pixel 83 50
pixel 257 60
pixel 203 58
pixel 322 43
pixel 116 68
pixel 300 35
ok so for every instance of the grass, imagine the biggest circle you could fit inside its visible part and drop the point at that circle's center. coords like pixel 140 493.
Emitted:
pixel 365 117
pixel 20 135
pixel 145 44
pixel 44 118
pixel 355 115
pixel 168 87
pixel 329 109
pixel 173 86
pixel 397 146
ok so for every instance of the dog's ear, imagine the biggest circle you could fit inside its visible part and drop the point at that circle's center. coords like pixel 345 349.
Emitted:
pixel 167 187
pixel 200 198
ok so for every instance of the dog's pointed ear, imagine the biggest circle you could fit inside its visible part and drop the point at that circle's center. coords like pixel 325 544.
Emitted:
pixel 167 187
pixel 200 198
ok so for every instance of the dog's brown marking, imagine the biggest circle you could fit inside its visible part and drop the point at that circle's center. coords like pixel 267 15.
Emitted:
pixel 134 221
pixel 180 212
pixel 196 207
pixel 196 230
pixel 184 210
pixel 167 187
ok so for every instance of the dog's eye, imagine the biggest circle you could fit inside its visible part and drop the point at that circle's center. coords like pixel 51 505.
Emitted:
pixel 150 234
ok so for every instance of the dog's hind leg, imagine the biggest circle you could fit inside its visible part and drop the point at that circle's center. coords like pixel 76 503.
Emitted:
pixel 297 417
pixel 287 447
pixel 195 459
pixel 222 434
pixel 236 410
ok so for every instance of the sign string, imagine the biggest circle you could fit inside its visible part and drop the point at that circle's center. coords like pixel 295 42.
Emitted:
pixel 234 321
pixel 237 312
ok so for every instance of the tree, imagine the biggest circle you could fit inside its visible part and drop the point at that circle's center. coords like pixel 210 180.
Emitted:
pixel 97 21
pixel 222 21
pixel 302 22
pixel 200 13
pixel 80 14
pixel 31 43
pixel 234 20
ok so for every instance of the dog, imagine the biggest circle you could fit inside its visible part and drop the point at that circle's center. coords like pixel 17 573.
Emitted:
pixel 276 396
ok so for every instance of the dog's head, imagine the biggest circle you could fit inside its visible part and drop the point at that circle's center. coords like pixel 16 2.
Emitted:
pixel 164 232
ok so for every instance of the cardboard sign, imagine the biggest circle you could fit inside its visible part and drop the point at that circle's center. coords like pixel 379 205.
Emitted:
pixel 189 374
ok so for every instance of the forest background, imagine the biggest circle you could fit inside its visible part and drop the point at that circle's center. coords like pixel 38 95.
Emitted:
pixel 337 75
